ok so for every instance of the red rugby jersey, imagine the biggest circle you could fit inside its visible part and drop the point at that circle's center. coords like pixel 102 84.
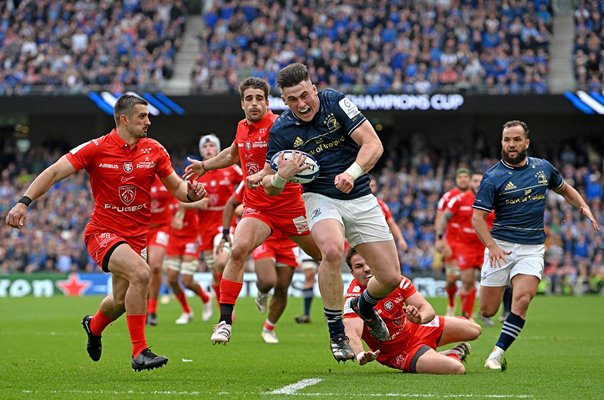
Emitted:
pixel 461 208
pixel 120 179
pixel 252 142
pixel 453 225
pixel 163 204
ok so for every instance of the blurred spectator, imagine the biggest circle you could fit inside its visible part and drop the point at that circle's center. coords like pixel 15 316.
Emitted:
pixel 58 46
pixel 588 48
pixel 379 45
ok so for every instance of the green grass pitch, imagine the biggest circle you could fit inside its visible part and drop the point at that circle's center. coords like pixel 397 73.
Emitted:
pixel 559 355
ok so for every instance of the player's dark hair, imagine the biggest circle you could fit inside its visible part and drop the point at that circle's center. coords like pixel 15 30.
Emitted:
pixel 254 83
pixel 349 256
pixel 124 106
pixel 292 75
pixel 515 122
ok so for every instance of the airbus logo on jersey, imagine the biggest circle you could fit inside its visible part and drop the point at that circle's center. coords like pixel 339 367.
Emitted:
pixel 128 167
pixel 109 166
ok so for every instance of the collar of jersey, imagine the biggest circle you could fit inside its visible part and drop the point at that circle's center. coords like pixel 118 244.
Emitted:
pixel 118 140
pixel 260 123
pixel 528 161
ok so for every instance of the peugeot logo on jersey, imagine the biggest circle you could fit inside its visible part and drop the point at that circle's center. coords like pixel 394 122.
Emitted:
pixel 128 167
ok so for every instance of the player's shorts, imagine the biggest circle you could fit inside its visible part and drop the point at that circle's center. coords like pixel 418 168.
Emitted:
pixel 291 222
pixel 101 245
pixel 183 246
pixel 279 249
pixel 158 237
pixel 362 218
pixel 525 259
pixel 468 258
pixel 306 261
pixel 421 339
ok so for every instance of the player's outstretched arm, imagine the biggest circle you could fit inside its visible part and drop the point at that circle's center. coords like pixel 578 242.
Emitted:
pixel 418 310
pixel 573 198
pixel 51 175
pixel 354 329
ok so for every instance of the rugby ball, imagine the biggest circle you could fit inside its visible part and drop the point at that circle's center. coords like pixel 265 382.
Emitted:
pixel 306 176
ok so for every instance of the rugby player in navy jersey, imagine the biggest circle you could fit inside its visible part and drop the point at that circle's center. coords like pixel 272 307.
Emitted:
pixel 515 188
pixel 339 203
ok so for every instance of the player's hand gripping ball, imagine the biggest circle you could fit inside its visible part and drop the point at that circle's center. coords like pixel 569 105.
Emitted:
pixel 306 176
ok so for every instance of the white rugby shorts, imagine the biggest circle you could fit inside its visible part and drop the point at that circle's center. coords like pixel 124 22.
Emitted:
pixel 362 217
pixel 526 259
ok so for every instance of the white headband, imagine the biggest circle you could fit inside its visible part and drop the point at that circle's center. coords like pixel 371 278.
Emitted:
pixel 209 138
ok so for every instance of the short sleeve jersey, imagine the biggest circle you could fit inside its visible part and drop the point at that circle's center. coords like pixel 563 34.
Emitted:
pixel 327 138
pixel 517 195
pixel 220 185
pixel 453 225
pixel 390 309
pixel 252 141
pixel 162 204
pixel 461 208
pixel 120 179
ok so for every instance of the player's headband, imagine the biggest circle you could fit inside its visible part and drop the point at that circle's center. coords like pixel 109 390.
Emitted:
pixel 211 138
pixel 461 171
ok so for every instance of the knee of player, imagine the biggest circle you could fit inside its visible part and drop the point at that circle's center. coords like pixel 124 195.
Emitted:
pixel 140 276
pixel 521 301
pixel 333 255
pixel 238 256
pixel 458 368
pixel 474 330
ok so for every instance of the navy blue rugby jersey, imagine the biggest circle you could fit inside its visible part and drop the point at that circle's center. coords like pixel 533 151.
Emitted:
pixel 518 197
pixel 327 139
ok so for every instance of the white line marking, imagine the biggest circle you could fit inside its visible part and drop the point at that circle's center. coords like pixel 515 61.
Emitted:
pixel 294 387
pixel 415 395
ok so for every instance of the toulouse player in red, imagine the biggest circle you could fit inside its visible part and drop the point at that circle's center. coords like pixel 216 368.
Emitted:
pixel 220 185
pixel 262 213
pixel 470 250
pixel 447 244
pixel 414 328
pixel 122 166
pixel 183 259
pixel 162 210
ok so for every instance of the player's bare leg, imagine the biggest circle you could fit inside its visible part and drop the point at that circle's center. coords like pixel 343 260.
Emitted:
pixel 189 267
pixel 129 266
pixel 328 234
pixel 250 233
pixel 266 279
pixel 173 268
pixel 155 257
pixel 383 259
pixel 432 362
pixel 278 303
pixel 452 275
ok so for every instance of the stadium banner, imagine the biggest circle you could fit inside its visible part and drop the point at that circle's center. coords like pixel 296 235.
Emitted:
pixel 101 103
pixel 98 284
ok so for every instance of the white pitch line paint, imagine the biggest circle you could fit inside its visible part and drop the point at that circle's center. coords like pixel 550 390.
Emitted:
pixel 294 387
pixel 415 395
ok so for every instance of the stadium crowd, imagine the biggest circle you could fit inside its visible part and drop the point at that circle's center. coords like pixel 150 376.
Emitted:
pixel 404 46
pixel 588 47
pixel 412 179
pixel 54 46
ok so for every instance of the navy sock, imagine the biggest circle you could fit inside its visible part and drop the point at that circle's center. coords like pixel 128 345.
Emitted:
pixel 334 322
pixel 366 304
pixel 308 294
pixel 509 332
pixel 226 313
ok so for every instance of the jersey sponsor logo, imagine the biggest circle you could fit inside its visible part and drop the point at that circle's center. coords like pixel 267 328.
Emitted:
pixel 298 142
pixel 128 167
pixel 127 194
pixel 541 178
pixel 315 213
pixel 349 107
pixel 104 238
pixel 248 146
pixel 388 305
pixel 145 165
pixel 125 179
pixel 510 186
pixel 260 144
pixel 109 166
pixel 125 209
pixel 301 224
pixel 326 146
